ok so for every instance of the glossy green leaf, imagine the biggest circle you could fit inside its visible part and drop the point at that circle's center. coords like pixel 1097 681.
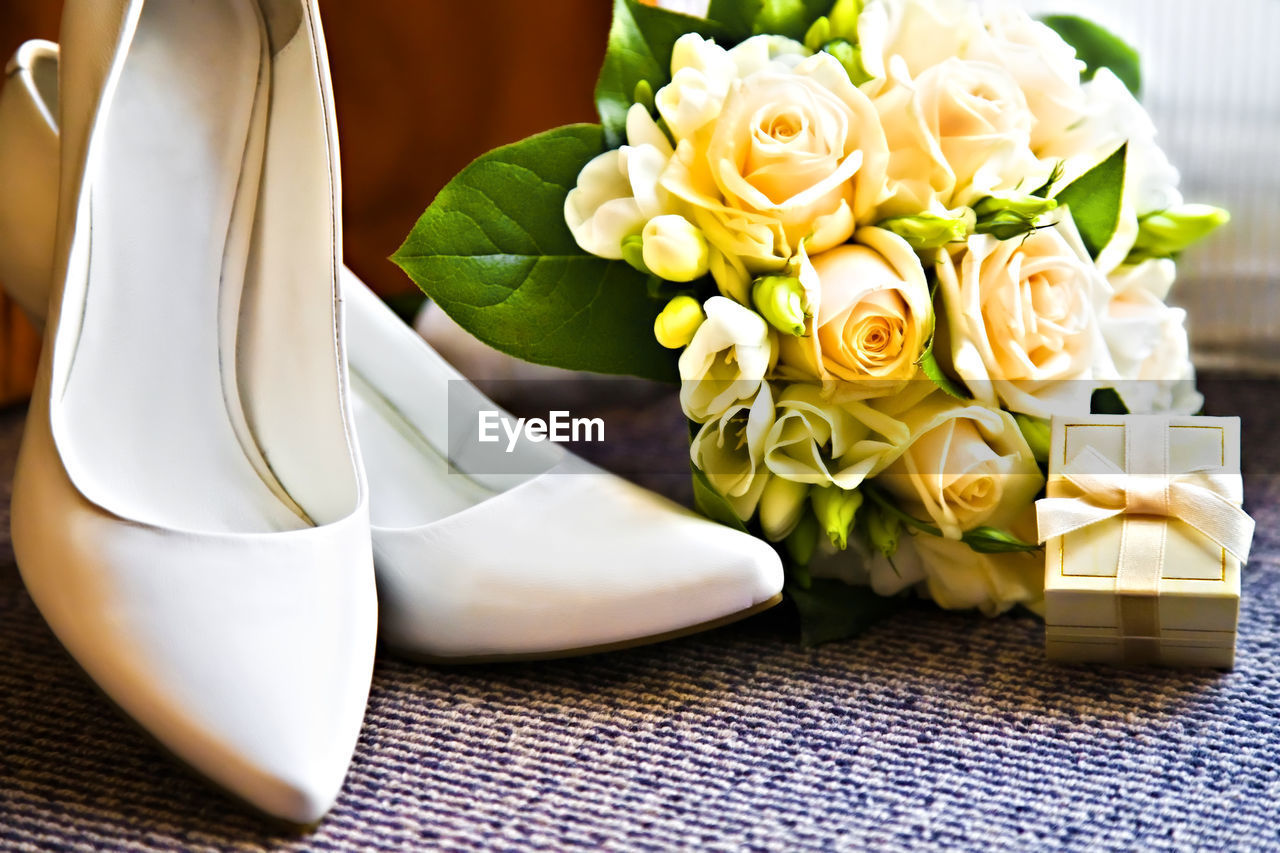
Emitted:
pixel 493 250
pixel 1095 199
pixel 639 52
pixel 833 610
pixel 1098 47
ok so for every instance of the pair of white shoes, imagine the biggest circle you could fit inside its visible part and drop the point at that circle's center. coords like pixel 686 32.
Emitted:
pixel 192 512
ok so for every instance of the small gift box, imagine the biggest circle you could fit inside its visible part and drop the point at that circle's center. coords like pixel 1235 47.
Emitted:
pixel 1144 540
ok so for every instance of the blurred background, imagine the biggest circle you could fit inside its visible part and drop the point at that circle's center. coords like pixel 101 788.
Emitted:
pixel 424 86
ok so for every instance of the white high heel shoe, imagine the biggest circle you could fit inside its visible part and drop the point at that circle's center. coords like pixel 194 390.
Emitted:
pixel 189 511
pixel 563 560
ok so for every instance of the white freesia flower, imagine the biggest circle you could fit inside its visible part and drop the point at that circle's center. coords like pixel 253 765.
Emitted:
pixel 1024 320
pixel 674 249
pixel 726 361
pixel 618 191
pixel 965 466
pixel 730 451
pixel 871 315
pixel 788 149
pixel 819 442
pixel 958 131
pixel 781 506
pixel 1148 341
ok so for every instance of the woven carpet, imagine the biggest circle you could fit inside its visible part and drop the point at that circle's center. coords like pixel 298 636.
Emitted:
pixel 931 731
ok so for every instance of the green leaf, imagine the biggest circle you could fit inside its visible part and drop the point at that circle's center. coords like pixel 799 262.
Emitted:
pixel 640 42
pixel 834 610
pixel 1097 48
pixel 1094 199
pixel 928 362
pixel 737 17
pixel 989 540
pixel 1106 401
pixel 712 504
pixel 493 250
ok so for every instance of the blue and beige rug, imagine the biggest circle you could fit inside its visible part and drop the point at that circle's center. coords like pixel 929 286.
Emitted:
pixel 932 731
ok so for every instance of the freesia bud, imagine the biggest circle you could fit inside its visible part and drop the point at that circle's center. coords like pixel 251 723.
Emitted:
pixel 1161 235
pixel 677 323
pixel 931 230
pixel 883 531
pixel 836 509
pixel 633 253
pixel 1036 432
pixel 781 507
pixel 803 541
pixel 675 249
pixel 850 56
pixel 1006 215
pixel 780 300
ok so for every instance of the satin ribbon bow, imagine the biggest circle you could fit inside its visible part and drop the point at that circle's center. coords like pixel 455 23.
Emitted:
pixel 1199 498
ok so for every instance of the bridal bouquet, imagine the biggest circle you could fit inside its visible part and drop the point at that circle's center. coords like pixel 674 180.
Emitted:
pixel 878 243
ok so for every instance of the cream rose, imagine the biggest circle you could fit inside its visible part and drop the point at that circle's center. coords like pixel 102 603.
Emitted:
pixel 787 154
pixel 726 361
pixel 951 573
pixel 964 466
pixel 1148 341
pixel 957 132
pixel 921 33
pixel 819 442
pixel 729 450
pixel 870 315
pixel 1023 320
pixel 618 191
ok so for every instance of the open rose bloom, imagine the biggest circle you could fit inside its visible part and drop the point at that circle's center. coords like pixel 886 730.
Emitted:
pixel 892 238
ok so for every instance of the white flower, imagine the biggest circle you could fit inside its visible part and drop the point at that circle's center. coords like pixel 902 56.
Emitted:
pixel 965 466
pixel 726 361
pixel 1148 341
pixel 674 249
pixel 951 573
pixel 618 191
pixel 921 33
pixel 1112 117
pixel 819 442
pixel 781 506
pixel 786 150
pixel 958 131
pixel 871 315
pixel 730 451
pixel 1023 321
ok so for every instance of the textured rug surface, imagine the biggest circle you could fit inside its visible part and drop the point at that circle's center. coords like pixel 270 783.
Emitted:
pixel 932 731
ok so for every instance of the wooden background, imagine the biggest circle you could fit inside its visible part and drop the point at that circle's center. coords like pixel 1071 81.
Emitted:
pixel 422 87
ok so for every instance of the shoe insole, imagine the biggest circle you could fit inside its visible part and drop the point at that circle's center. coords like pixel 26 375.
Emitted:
pixel 150 405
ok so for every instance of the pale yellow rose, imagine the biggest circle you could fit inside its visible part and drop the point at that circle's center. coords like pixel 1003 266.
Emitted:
pixel 787 154
pixel 1023 327
pixel 819 442
pixel 729 450
pixel 870 316
pixel 727 360
pixel 951 573
pixel 921 33
pixel 959 131
pixel 965 466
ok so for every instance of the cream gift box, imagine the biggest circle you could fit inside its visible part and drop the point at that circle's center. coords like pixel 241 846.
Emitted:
pixel 1144 539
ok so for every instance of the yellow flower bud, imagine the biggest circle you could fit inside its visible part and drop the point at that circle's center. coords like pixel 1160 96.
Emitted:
pixel 836 509
pixel 781 507
pixel 678 322
pixel 675 249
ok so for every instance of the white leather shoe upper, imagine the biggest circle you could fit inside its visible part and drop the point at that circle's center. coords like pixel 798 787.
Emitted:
pixel 563 557
pixel 189 509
